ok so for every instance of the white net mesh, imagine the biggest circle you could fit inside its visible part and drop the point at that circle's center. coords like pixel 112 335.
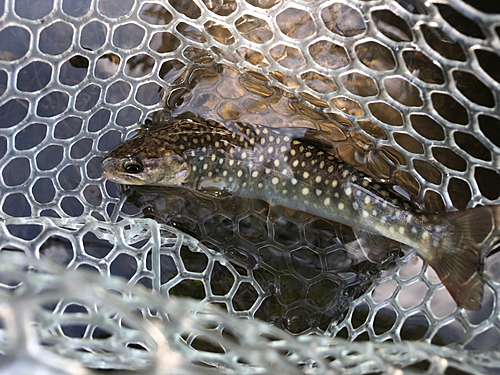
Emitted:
pixel 406 90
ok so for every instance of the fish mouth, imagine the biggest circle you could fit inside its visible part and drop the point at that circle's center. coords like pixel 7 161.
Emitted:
pixel 119 180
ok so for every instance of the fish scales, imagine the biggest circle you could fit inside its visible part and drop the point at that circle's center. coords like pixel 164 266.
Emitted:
pixel 281 167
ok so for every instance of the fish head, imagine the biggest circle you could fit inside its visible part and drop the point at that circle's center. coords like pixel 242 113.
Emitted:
pixel 143 160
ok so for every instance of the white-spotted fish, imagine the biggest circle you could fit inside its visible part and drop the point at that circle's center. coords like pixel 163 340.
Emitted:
pixel 273 165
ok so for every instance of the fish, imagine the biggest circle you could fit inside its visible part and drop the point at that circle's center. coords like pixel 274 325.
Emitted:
pixel 289 167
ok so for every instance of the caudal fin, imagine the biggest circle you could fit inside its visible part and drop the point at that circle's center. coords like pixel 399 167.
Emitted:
pixel 460 263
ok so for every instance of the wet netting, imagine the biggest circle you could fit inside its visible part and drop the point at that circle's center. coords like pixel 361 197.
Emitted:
pixel 97 277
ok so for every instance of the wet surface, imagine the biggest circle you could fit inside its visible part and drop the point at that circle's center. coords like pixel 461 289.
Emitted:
pixel 438 141
pixel 312 254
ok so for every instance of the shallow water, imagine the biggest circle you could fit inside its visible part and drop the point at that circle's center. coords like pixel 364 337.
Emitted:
pixel 58 120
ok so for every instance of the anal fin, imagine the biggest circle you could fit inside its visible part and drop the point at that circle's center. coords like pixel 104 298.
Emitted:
pixel 374 246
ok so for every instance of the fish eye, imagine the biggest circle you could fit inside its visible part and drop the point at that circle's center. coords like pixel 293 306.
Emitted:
pixel 133 165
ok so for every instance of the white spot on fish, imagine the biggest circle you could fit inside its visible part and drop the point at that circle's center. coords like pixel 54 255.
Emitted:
pixel 194 168
pixel 230 179
pixel 205 166
pixel 259 185
pixel 336 195
pixel 244 155
pixel 276 163
pixel 262 141
pixel 391 230
pixel 283 148
pixel 294 181
pixel 341 206
pixel 275 180
pixel 354 179
pixel 367 200
pixel 231 162
pixel 305 191
pixel 322 164
pixel 306 175
pixel 318 192
pixel 270 150
pixel 239 173
pixel 334 183
pixel 308 154
pixel 327 201
pixel 224 173
pixel 213 157
pixel 267 170
pixel 345 173
pixel 348 191
pixel 365 214
pixel 374 213
pixel 255 174
pixel 210 174
pixel 318 179
pixel 330 169
pixel 401 230
pixel 425 235
pixel 295 163
pixel 365 183
pixel 292 152
pixel 217 144
pixel 355 206
pixel 414 230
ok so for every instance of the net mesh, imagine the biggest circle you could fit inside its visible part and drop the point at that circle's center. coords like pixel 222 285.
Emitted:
pixel 406 90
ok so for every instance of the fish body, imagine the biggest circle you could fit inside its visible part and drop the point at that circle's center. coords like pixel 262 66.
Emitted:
pixel 285 169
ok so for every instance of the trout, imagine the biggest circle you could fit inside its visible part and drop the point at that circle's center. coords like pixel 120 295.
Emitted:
pixel 293 171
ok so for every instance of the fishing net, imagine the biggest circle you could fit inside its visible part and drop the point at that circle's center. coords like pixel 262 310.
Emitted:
pixel 94 279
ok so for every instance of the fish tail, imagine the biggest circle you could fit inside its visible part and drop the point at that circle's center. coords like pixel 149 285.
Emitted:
pixel 459 263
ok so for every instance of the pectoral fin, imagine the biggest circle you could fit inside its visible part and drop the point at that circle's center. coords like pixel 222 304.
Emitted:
pixel 375 247
pixel 213 187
